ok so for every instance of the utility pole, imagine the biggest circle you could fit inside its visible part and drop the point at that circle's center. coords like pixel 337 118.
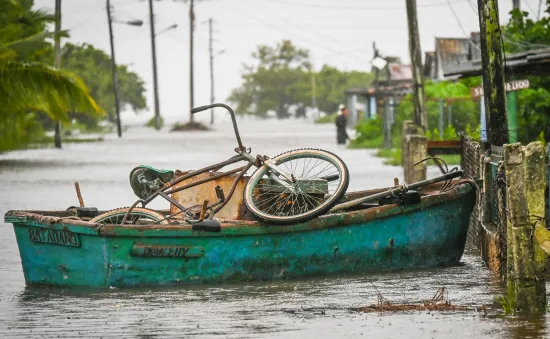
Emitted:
pixel 492 61
pixel 420 114
pixel 210 22
pixel 191 33
pixel 114 69
pixel 154 56
pixel 515 4
pixel 57 48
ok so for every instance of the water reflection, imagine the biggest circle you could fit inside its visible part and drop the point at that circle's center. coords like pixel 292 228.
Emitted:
pixel 527 326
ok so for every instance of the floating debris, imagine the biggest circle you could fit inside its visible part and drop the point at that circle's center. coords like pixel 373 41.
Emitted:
pixel 437 303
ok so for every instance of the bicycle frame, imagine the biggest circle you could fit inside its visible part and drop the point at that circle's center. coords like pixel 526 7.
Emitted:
pixel 243 155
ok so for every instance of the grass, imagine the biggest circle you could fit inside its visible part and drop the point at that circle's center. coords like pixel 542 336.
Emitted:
pixel 393 157
pixel 327 119
pixel 84 129
pixel 372 143
pixel 47 140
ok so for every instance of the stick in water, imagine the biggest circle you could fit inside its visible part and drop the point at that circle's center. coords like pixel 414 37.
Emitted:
pixel 78 194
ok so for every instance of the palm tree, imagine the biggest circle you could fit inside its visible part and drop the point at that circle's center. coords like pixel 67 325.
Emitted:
pixel 34 86
pixel 27 86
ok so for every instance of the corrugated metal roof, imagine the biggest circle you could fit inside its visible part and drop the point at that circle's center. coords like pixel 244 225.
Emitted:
pixel 451 52
pixel 527 63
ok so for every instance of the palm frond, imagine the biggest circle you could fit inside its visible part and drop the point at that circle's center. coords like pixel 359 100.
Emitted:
pixel 56 92
pixel 33 42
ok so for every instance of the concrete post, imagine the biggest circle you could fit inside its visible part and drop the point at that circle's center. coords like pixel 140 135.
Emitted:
pixel 414 148
pixel 491 249
pixel 524 172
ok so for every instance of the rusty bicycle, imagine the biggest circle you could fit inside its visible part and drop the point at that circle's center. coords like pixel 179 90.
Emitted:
pixel 293 187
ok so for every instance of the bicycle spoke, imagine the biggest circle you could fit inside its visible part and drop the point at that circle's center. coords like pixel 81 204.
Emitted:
pixel 309 188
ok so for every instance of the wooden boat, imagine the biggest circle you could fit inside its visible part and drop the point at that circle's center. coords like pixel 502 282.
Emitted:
pixel 57 249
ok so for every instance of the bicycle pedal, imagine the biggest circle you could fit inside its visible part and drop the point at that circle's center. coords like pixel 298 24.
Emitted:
pixel 206 225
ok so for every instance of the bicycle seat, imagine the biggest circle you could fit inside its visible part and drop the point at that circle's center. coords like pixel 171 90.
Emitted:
pixel 145 180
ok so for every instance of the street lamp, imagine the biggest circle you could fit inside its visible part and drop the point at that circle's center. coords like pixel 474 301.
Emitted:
pixel 113 62
pixel 167 29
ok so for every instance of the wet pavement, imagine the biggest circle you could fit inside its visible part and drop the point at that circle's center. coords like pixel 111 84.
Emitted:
pixel 43 179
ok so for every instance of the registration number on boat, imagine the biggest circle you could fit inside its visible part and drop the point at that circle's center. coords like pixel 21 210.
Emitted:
pixel 48 236
pixel 170 251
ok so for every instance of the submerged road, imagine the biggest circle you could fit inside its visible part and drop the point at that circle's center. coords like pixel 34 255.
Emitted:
pixel 43 179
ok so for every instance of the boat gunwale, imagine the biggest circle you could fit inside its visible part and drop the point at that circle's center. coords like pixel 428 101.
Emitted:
pixel 241 227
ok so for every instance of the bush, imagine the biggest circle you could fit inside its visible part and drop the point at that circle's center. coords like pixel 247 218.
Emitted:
pixel 189 126
pixel 369 134
pixel 474 134
pixel 450 133
pixel 151 122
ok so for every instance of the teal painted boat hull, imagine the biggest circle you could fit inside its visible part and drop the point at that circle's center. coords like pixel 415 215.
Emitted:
pixel 65 252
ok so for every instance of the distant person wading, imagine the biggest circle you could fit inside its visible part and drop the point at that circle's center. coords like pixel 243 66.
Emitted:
pixel 341 123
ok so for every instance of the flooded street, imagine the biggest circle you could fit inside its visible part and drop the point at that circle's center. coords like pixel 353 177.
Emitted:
pixel 43 179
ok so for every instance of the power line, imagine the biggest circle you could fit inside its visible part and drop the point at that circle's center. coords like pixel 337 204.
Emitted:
pixel 460 25
pixel 531 9
pixel 88 19
pixel 388 8
pixel 312 42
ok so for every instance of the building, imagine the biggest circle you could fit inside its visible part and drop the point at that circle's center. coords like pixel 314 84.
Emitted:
pixel 391 84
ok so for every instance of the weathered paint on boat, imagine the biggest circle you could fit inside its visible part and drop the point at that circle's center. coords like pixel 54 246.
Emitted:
pixel 432 233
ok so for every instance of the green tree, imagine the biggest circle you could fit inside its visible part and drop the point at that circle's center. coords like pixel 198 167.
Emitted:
pixel 332 83
pixel 93 66
pixel 277 82
pixel 27 86
pixel 464 110
pixel 282 78
pixel 522 34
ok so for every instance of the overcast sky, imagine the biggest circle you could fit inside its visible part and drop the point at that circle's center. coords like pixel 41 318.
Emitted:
pixel 338 33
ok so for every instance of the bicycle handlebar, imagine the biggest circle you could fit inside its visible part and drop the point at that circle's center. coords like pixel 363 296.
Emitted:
pixel 205 107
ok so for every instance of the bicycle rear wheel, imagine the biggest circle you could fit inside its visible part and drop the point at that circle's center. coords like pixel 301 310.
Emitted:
pixel 138 216
pixel 322 178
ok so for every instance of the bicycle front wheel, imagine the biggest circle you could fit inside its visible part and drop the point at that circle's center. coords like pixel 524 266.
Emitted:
pixel 321 179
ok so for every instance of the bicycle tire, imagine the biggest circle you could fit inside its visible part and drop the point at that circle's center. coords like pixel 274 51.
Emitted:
pixel 309 215
pixel 136 211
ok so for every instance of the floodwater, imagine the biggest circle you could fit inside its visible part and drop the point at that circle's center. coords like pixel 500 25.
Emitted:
pixel 43 179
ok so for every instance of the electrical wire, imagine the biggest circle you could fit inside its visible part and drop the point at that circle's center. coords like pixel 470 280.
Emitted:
pixel 530 9
pixel 88 19
pixel 460 25
pixel 369 8
pixel 312 42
